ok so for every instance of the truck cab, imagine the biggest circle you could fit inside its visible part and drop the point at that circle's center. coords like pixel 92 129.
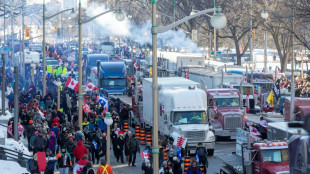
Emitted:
pixel 112 77
pixel 224 111
pixel 270 158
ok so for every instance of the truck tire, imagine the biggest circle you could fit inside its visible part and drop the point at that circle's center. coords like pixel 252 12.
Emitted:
pixel 210 152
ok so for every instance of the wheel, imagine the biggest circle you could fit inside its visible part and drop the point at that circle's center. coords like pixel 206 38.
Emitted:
pixel 210 152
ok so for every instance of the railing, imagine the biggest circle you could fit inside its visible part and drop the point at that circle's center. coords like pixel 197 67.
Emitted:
pixel 11 155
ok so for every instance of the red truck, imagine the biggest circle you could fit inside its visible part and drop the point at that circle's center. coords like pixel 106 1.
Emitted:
pixel 266 158
pixel 302 108
pixel 224 111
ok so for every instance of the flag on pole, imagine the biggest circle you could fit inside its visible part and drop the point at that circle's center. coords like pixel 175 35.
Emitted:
pixel 254 131
pixel 136 65
pixel 180 142
pixel 145 155
pixel 103 101
pixel 73 84
pixel 197 157
pixel 270 99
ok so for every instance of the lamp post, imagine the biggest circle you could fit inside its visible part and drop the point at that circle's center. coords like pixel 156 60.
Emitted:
pixel 120 16
pixel 58 84
pixel 265 15
pixel 109 121
pixel 218 21
pixel 43 50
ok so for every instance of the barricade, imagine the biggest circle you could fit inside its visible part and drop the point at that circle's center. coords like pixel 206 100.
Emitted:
pixel 126 126
pixel 187 163
pixel 149 137
pixel 142 136
pixel 137 132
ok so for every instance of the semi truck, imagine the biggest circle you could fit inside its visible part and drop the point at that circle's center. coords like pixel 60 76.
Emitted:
pixel 281 131
pixel 182 111
pixel 111 77
pixel 263 157
pixel 108 48
pixel 224 111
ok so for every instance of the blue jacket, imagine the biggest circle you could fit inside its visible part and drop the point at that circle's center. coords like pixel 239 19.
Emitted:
pixel 102 126
pixel 91 126
pixel 189 171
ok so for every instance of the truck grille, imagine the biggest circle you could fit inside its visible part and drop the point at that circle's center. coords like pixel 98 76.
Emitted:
pixel 232 122
pixel 195 135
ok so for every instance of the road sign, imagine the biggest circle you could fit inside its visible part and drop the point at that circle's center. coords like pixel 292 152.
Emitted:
pixel 218 52
pixel 7 49
pixel 27 32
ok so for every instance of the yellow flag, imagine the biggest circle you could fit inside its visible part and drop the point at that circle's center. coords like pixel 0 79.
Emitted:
pixel 270 99
pixel 64 71
pixel 49 69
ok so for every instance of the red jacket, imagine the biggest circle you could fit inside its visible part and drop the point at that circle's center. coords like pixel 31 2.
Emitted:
pixel 79 150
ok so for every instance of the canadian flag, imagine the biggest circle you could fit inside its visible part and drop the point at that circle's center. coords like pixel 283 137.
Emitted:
pixel 73 84
pixel 254 131
pixel 91 87
pixel 215 108
pixel 85 106
pixel 180 142
pixel 136 65
pixel 145 155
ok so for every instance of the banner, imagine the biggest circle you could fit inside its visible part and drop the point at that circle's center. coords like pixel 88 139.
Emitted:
pixel 276 89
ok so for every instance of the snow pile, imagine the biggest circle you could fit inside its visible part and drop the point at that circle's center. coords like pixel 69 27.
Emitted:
pixel 2 134
pixel 11 144
pixel 7 115
pixel 11 167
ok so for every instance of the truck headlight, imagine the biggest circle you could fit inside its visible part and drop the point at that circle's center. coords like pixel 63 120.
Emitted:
pixel 211 138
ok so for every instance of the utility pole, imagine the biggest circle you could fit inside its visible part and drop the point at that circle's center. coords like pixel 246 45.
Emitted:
pixel 43 50
pixel 155 149
pixel 214 35
pixel 251 34
pixel 16 92
pixel 12 33
pixel 4 23
pixel 80 67
pixel 265 50
pixel 292 104
pixel 20 50
pixel 3 84
pixel 23 42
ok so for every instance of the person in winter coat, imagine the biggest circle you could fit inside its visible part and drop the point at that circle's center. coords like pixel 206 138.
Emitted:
pixel 87 169
pixel 101 124
pixel 79 151
pixel 52 142
pixel 165 169
pixel 63 159
pixel 33 165
pixel 134 147
pixel 30 131
pixel 95 147
pixel 9 89
pixel 103 145
pixel 120 142
pixel 147 167
pixel 51 160
pixel 176 167
pixel 39 143
pixel 70 146
pixel 61 139
pixel 202 155
pixel 10 101
pixel 55 129
pixel 193 169
pixel 104 168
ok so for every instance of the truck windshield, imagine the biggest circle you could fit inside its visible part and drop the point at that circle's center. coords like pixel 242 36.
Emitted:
pixel 275 155
pixel 113 82
pixel 264 86
pixel 227 102
pixel 198 117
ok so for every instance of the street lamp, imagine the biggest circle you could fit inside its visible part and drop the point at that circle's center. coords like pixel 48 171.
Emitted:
pixel 217 20
pixel 109 121
pixel 58 84
pixel 43 50
pixel 120 16
pixel 265 15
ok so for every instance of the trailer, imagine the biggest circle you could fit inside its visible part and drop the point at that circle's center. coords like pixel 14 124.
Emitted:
pixel 281 131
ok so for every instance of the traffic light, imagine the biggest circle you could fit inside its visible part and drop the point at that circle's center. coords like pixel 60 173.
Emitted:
pixel 253 34
pixel 265 58
pixel 27 32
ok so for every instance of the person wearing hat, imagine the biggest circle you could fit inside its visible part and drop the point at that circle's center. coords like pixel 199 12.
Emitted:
pixel 193 168
pixel 81 164
pixel 50 162
pixel 85 122
pixel 95 147
pixel 147 167
pixel 63 159
pixel 79 151
pixel 39 143
pixel 104 168
pixel 120 142
pixel 30 131
pixel 134 147
pixel 70 146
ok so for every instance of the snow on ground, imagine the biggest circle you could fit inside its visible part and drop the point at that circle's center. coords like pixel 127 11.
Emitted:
pixel 11 167
pixel 7 115
pixel 11 144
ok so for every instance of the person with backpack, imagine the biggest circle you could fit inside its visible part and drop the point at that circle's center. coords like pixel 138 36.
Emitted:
pixel 202 153
pixel 51 160
pixel 33 167
pixel 104 168
pixel 87 169
pixel 39 143
pixel 63 161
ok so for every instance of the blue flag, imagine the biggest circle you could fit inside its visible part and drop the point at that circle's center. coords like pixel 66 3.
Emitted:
pixel 179 154
pixel 197 157
pixel 103 101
